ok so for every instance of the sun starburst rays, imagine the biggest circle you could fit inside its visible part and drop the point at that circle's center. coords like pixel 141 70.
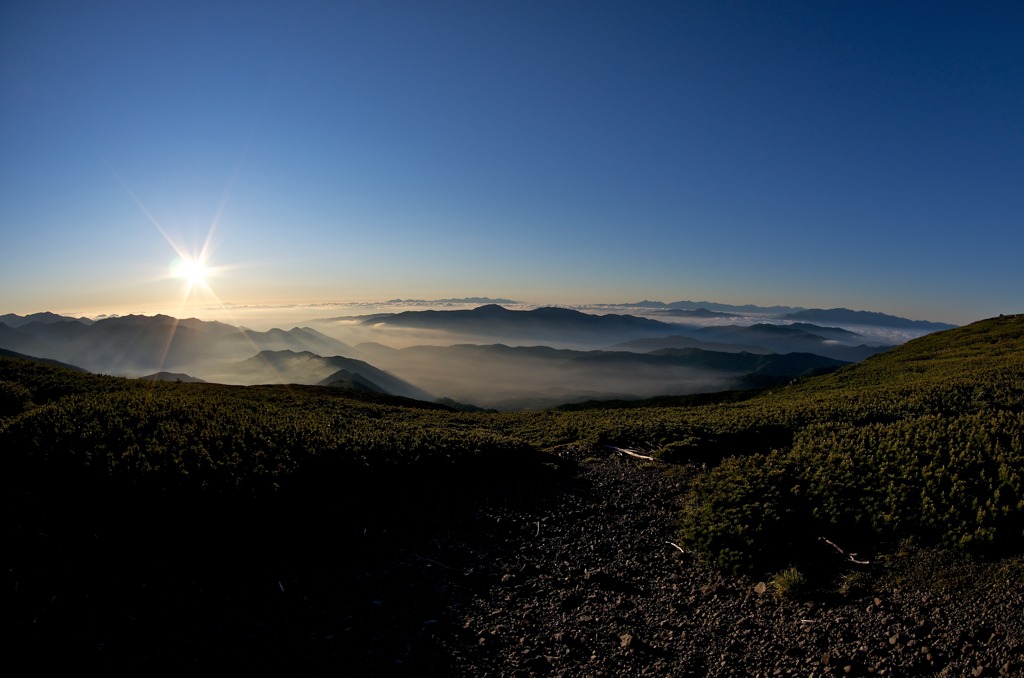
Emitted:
pixel 192 266
pixel 195 273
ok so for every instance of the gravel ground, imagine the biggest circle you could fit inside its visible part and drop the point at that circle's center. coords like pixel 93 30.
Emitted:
pixel 565 567
pixel 576 575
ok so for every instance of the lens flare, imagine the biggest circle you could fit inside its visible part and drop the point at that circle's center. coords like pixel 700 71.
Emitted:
pixel 193 270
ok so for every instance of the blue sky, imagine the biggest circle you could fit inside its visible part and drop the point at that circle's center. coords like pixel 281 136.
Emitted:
pixel 859 154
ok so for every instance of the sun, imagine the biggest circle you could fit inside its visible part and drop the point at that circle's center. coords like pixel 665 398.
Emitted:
pixel 193 271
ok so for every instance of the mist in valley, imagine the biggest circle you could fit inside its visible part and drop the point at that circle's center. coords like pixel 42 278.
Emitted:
pixel 504 377
pixel 488 355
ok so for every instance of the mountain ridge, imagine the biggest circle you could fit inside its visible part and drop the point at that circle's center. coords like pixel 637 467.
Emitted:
pixel 305 367
pixel 139 344
pixel 548 323
pixel 845 315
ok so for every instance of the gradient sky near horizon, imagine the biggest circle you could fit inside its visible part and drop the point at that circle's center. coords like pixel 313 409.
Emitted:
pixel 859 154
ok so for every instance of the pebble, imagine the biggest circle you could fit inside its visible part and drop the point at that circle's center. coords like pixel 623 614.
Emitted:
pixel 568 598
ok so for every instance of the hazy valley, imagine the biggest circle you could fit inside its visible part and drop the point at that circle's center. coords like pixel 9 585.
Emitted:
pixel 487 356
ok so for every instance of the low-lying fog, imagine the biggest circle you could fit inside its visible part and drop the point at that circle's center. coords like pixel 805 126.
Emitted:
pixel 504 357
pixel 503 377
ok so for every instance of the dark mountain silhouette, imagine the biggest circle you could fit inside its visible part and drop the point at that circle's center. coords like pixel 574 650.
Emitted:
pixel 546 324
pixel 683 341
pixel 714 306
pixel 346 379
pixel 372 378
pixel 15 320
pixel 831 342
pixel 146 344
pixel 304 367
pixel 773 364
pixel 173 376
pixel 13 339
pixel 463 300
pixel 837 333
pixel 846 316
pixel 791 339
pixel 297 338
pixel 694 313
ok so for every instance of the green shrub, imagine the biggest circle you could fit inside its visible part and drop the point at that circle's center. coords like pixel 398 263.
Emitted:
pixel 14 398
pixel 951 481
pixel 788 583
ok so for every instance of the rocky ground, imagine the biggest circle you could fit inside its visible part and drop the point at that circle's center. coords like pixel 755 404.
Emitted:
pixel 566 567
pixel 577 574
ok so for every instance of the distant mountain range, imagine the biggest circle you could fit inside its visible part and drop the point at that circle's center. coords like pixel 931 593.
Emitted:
pixel 634 333
pixel 846 316
pixel 693 313
pixel 832 342
pixel 571 325
pixel 147 344
pixel 463 300
pixel 543 325
pixel 843 316
pixel 714 306
pixel 14 320
pixel 684 341
pixel 490 356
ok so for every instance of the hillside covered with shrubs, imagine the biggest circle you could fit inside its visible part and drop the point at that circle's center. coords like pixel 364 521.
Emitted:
pixel 133 504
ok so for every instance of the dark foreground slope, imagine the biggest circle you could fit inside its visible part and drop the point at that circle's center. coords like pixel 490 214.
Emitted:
pixel 314 531
pixel 155 524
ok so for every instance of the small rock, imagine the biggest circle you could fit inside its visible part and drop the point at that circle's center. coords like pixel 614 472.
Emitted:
pixel 760 588
pixel 625 640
